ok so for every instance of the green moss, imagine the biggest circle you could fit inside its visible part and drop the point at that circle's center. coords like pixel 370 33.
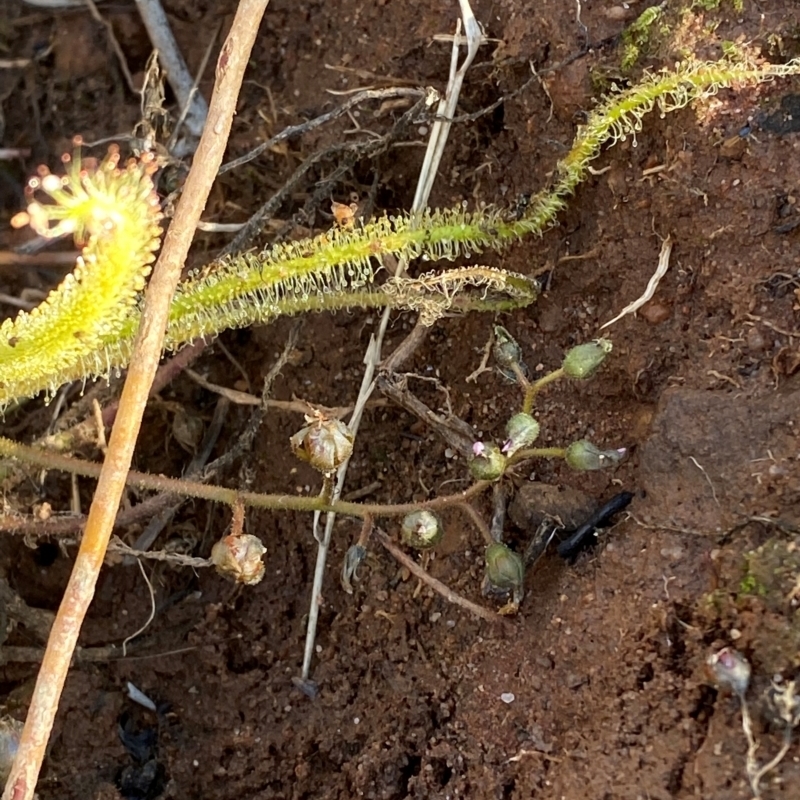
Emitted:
pixel 771 572
pixel 750 585
pixel 713 5
pixel 671 31
pixel 713 607
pixel 637 36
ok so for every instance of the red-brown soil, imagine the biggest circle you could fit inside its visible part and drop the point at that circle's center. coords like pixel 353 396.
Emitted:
pixel 606 658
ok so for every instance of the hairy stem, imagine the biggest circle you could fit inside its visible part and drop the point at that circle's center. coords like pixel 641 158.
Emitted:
pixel 338 268
pixel 219 494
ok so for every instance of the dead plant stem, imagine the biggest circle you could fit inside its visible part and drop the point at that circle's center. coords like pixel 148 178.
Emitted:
pixel 231 65
pixel 372 356
pixel 439 587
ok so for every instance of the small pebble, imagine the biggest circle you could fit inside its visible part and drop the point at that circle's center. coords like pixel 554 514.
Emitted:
pixel 508 697
pixel 618 13
pixel 655 313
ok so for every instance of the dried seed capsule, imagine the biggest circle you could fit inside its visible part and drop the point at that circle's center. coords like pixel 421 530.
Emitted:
pixel 583 455
pixel 583 361
pixel 488 463
pixel 238 556
pixel 504 568
pixel 508 354
pixel 325 444
pixel 730 668
pixel 522 430
pixel 421 529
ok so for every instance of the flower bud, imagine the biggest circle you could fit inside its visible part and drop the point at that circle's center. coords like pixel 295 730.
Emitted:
pixel 238 556
pixel 421 530
pixel 488 463
pixel 522 430
pixel 508 354
pixel 730 668
pixel 504 568
pixel 325 444
pixel 582 361
pixel 583 455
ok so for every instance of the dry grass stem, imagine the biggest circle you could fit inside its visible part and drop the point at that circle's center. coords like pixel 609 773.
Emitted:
pixel 147 352
pixel 652 285
pixel 437 586
pixel 372 357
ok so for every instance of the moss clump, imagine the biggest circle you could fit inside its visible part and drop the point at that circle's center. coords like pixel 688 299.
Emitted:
pixel 713 5
pixel 772 572
pixel 670 31
pixel 750 585
pixel 636 37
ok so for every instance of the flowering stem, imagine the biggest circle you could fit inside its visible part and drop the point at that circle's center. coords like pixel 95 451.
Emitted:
pixel 437 586
pixel 537 452
pixel 219 494
pixel 477 521
pixel 534 388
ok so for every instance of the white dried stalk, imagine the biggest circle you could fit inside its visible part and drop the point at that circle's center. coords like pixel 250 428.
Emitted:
pixel 661 271
pixel 194 108
pixel 433 155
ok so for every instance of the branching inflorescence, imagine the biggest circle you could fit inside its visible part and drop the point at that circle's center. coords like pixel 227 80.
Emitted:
pixel 87 325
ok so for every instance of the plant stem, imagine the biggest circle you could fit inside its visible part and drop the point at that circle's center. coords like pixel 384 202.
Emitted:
pixel 219 494
pixel 537 452
pixel 192 103
pixel 477 521
pixel 439 587
pixel 532 389
pixel 147 352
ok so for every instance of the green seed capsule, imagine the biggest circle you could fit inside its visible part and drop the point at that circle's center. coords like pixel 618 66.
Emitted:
pixel 522 430
pixel 583 456
pixel 583 361
pixel 421 530
pixel 504 568
pixel 488 463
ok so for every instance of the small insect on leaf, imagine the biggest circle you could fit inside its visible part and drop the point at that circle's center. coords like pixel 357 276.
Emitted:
pixel 344 215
